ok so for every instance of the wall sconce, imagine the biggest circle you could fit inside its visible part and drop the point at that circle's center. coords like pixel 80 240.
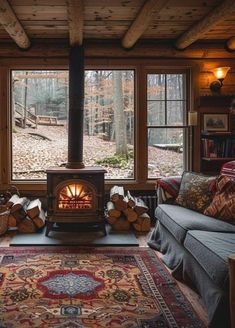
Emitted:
pixel 192 118
pixel 220 73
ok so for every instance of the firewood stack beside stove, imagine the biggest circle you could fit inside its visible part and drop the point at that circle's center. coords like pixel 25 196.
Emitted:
pixel 26 216
pixel 125 212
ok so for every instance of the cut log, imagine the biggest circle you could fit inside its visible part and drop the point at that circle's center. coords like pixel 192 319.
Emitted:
pixel 130 199
pixel 40 220
pixel 130 214
pixel 111 219
pixel 27 226
pixel 34 208
pixel 112 211
pixel 3 223
pixel 12 223
pixel 116 193
pixel 140 206
pixel 121 224
pixel 14 198
pixel 19 204
pixel 143 223
pixel 120 205
pixel 19 215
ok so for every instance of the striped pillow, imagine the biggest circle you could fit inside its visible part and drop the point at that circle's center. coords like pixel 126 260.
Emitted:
pixel 223 204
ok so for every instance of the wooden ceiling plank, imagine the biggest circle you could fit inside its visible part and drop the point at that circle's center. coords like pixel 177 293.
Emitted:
pixel 12 25
pixel 209 21
pixel 76 21
pixel 141 22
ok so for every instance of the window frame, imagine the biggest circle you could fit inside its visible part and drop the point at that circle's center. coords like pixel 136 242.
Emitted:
pixel 141 181
pixel 187 137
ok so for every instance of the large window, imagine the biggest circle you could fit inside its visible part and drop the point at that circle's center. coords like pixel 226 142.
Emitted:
pixel 39 122
pixel 166 123
pixel 135 122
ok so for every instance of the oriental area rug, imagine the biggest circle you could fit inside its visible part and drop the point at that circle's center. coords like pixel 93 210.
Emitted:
pixel 75 287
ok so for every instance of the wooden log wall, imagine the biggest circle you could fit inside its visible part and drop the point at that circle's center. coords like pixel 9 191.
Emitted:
pixel 144 55
pixel 205 55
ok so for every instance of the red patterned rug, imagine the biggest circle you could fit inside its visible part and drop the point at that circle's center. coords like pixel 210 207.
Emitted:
pixel 71 287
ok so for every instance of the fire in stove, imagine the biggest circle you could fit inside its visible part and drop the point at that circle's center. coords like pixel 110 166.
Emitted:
pixel 75 196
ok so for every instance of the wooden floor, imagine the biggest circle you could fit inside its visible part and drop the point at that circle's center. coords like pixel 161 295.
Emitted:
pixel 193 297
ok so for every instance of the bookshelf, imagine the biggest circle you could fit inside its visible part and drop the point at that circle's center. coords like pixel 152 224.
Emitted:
pixel 209 159
pixel 217 148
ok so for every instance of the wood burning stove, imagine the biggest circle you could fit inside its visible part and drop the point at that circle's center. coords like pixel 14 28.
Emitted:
pixel 75 196
pixel 75 193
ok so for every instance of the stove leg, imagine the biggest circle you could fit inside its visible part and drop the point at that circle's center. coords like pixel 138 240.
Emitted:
pixel 49 226
pixel 104 229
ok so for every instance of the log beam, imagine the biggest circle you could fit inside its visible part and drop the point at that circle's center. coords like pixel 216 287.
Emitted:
pixel 230 44
pixel 75 21
pixel 208 22
pixel 141 22
pixel 12 25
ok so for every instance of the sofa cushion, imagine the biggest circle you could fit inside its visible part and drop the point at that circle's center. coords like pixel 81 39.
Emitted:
pixel 178 220
pixel 196 191
pixel 211 250
pixel 223 204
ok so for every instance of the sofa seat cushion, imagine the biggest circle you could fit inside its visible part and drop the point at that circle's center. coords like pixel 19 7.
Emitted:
pixel 178 220
pixel 211 251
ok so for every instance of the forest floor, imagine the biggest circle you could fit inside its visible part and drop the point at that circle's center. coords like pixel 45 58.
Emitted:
pixel 33 154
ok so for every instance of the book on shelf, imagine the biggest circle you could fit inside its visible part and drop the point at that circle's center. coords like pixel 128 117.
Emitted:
pixel 218 148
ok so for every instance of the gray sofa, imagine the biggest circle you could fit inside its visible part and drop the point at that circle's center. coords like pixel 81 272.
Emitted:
pixel 196 248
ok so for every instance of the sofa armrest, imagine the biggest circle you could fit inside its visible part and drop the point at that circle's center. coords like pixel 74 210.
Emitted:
pixel 231 261
pixel 168 189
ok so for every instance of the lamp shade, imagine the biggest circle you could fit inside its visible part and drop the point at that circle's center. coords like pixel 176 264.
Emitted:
pixel 220 72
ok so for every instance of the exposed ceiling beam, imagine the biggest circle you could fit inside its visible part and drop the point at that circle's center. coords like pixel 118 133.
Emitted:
pixel 12 25
pixel 230 44
pixel 142 21
pixel 212 19
pixel 75 20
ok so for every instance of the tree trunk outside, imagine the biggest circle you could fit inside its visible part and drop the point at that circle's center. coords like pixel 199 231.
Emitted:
pixel 25 102
pixel 119 115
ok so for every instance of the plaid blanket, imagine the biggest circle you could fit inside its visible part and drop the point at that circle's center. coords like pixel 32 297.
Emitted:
pixel 168 188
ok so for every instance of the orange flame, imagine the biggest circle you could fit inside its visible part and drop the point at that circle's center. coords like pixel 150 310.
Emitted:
pixel 75 196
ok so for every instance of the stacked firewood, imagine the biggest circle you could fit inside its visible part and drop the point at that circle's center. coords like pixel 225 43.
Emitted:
pixel 25 215
pixel 126 211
